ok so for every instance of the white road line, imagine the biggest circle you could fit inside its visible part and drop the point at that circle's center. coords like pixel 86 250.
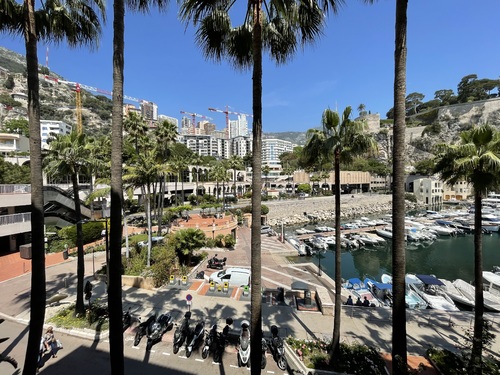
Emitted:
pixel 233 366
pixel 135 347
pixel 199 360
pixel 165 353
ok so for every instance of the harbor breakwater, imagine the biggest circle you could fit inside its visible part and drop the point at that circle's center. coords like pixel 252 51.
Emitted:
pixel 294 212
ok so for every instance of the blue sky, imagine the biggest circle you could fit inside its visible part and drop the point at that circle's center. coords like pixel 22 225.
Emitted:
pixel 352 63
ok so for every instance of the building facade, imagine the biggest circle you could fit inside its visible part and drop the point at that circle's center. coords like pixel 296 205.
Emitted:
pixel 50 128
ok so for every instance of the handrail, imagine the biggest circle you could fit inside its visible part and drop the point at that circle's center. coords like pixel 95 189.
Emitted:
pixel 15 189
pixel 15 218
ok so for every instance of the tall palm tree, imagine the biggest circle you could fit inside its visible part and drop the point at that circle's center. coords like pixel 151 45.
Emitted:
pixel 98 162
pixel 339 140
pixel 278 31
pixel 399 346
pixel 68 155
pixel 136 128
pixel 476 159
pixel 197 161
pixel 78 23
pixel 265 171
pixel 235 162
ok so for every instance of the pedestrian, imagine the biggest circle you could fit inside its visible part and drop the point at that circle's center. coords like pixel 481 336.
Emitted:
pixel 358 302
pixel 50 341
pixel 349 301
pixel 366 303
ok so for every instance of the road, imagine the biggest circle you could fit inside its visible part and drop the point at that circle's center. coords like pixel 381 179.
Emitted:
pixel 86 357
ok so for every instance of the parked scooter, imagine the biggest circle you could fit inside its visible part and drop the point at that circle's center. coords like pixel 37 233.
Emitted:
pixel 127 319
pixel 195 338
pixel 158 328
pixel 142 329
pixel 181 332
pixel 221 343
pixel 244 345
pixel 211 341
pixel 277 348
pixel 216 263
pixel 264 350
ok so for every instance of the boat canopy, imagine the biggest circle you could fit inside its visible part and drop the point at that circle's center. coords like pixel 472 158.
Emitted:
pixel 430 280
pixel 355 283
pixel 381 286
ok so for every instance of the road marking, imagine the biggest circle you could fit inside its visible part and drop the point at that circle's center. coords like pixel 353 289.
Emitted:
pixel 234 366
pixel 106 340
pixel 165 353
pixel 270 372
pixel 135 347
pixel 199 360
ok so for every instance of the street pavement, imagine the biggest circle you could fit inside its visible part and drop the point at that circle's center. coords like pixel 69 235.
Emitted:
pixel 84 351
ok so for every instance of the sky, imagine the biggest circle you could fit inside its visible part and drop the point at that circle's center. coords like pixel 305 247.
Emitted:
pixel 351 64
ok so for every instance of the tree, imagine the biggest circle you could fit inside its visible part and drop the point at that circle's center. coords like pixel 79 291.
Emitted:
pixel 235 162
pixel 19 126
pixel 445 96
pixel 413 101
pixel 136 128
pixel 9 83
pixel 425 167
pixel 277 28
pixel 78 24
pixel 399 346
pixel 339 140
pixel 362 110
pixel 187 241
pixel 476 159
pixel 265 171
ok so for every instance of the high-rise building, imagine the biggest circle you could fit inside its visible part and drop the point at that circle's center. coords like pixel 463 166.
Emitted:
pixel 50 128
pixel 149 111
pixel 206 145
pixel 238 127
pixel 272 148
pixel 241 146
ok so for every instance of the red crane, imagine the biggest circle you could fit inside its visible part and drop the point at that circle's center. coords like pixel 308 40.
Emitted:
pixel 193 117
pixel 227 112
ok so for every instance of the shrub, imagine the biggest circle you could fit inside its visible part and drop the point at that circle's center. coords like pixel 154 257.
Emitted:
pixel 229 241
pixel 165 262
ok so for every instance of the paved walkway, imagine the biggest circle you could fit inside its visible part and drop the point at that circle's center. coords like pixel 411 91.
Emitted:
pixel 371 326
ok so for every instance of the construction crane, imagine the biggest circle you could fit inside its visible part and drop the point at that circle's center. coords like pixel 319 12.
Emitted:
pixel 193 118
pixel 227 112
pixel 78 100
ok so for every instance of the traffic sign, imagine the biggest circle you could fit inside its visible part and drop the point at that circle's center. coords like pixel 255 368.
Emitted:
pixel 189 297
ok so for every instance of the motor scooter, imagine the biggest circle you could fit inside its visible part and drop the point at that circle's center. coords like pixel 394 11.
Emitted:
pixel 142 329
pixel 196 338
pixel 244 344
pixel 264 351
pixel 277 348
pixel 127 319
pixel 156 330
pixel 216 263
pixel 181 332
pixel 211 340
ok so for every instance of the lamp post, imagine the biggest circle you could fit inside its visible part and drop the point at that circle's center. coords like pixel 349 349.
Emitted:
pixel 104 234
pixel 319 262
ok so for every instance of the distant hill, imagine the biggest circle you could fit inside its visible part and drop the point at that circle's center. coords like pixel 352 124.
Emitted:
pixel 298 138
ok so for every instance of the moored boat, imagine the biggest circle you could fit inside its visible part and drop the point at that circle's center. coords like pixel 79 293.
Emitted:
pixel 431 290
pixel 412 298
pixel 491 301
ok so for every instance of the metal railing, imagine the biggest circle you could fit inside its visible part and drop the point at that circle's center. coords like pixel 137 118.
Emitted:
pixel 15 218
pixel 15 189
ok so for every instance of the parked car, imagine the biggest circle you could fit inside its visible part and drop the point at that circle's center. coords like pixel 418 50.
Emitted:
pixel 154 241
pixel 265 229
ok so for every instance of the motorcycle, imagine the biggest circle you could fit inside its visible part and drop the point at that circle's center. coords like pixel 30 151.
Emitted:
pixel 216 263
pixel 127 320
pixel 142 329
pixel 196 337
pixel 181 332
pixel 277 348
pixel 221 342
pixel 244 345
pixel 158 328
pixel 211 339
pixel 264 350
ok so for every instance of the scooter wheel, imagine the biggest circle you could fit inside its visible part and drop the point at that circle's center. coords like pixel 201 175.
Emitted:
pixel 176 349
pixel 282 363
pixel 204 353
pixel 264 362
pixel 137 339
pixel 188 353
pixel 239 361
pixel 216 357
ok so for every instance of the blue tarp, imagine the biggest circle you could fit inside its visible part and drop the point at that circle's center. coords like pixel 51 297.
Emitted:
pixel 430 280
pixel 355 283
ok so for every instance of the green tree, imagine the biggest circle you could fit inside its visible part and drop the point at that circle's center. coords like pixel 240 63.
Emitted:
pixel 235 162
pixel 13 173
pixel 476 159
pixel 362 110
pixel 425 167
pixel 68 155
pixel 265 171
pixel 413 102
pixel 339 140
pixel 9 83
pixel 136 128
pixel 19 126
pixel 187 241
pixel 445 96
pixel 399 345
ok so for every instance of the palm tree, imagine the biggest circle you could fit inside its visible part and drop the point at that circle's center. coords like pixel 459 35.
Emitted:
pixel 78 24
pixel 265 171
pixel 68 155
pixel 197 161
pixel 362 109
pixel 235 162
pixel 399 347
pixel 136 128
pixel 97 163
pixel 278 31
pixel 340 140
pixel 476 159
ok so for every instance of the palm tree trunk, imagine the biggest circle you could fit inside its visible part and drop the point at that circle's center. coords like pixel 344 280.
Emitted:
pixel 338 265
pixel 148 216
pixel 398 202
pixel 474 366
pixel 80 263
pixel 38 293
pixel 256 282
pixel 116 357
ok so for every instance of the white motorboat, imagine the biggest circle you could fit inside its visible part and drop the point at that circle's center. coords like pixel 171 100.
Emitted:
pixel 323 228
pixel 412 298
pixel 491 301
pixel 304 231
pixel 373 236
pixel 358 289
pixel 457 295
pixel 318 242
pixel 298 245
pixel 367 221
pixel 384 233
pixel 430 289
pixel 491 282
pixel 442 231
pixel 366 240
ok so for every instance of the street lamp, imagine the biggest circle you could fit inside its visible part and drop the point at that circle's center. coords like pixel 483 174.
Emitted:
pixel 319 262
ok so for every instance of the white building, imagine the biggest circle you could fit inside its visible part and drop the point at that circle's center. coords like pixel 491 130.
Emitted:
pixel 428 190
pixel 206 145
pixel 272 148
pixel 238 127
pixel 173 120
pixel 241 146
pixel 50 128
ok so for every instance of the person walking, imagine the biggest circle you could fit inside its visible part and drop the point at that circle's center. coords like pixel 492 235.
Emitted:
pixel 50 341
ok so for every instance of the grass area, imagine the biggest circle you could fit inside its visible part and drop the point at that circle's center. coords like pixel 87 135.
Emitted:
pixel 353 359
pixel 96 318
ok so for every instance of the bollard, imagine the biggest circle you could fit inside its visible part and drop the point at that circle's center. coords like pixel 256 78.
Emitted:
pixel 219 288
pixel 245 290
pixel 226 287
pixel 65 282
pixel 212 286
pixel 172 279
pixel 184 280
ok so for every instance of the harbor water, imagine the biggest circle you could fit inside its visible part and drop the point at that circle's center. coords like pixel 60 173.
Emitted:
pixel 447 257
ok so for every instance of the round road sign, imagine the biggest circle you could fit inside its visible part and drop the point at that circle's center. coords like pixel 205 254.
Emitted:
pixel 189 297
